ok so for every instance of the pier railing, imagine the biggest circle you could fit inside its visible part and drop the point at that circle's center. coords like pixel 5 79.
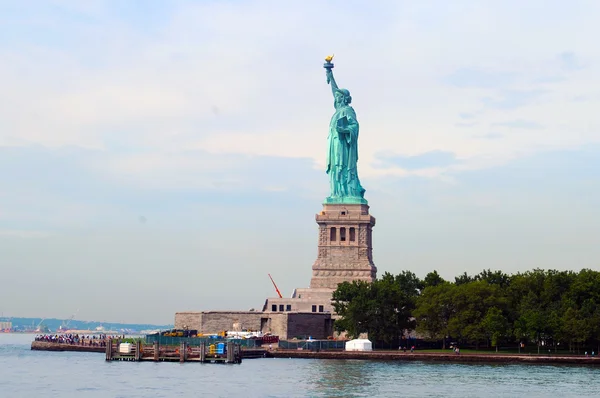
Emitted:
pixel 312 345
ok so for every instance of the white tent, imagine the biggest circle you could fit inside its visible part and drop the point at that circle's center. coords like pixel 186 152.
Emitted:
pixel 359 345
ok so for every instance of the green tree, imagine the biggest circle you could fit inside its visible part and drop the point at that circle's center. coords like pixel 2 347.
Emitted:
pixel 548 307
pixel 463 278
pixel 383 308
pixel 410 288
pixel 532 319
pixel 354 303
pixel 434 310
pixel 530 303
pixel 433 279
pixel 384 326
pixel 581 309
pixel 575 327
pixel 495 325
pixel 494 278
pixel 471 302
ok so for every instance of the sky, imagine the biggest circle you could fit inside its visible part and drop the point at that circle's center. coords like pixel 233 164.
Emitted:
pixel 163 156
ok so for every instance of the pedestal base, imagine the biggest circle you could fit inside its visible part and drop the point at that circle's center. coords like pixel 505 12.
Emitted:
pixel 345 245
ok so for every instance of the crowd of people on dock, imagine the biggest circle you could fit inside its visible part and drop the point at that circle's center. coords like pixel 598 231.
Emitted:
pixel 75 339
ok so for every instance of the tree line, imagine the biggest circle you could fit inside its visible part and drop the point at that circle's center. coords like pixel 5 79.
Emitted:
pixel 549 308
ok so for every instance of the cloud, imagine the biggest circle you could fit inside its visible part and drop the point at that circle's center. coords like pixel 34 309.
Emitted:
pixel 490 136
pixel 473 78
pixel 513 99
pixel 433 159
pixel 519 124
pixel 549 80
pixel 569 61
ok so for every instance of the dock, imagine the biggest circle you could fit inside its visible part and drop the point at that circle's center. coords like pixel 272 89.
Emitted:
pixel 47 346
pixel 205 353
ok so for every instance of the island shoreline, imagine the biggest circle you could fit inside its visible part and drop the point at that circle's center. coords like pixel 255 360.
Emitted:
pixel 491 358
pixel 437 357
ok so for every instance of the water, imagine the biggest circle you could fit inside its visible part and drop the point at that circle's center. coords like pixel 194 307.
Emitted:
pixel 26 373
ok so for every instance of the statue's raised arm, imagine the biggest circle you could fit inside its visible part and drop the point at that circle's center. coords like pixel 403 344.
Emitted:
pixel 329 73
pixel 331 80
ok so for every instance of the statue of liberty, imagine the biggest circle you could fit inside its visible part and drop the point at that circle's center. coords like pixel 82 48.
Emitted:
pixel 343 147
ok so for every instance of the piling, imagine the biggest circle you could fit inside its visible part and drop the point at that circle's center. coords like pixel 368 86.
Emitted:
pixel 203 352
pixel 109 350
pixel 182 351
pixel 230 353
pixel 139 351
pixel 156 350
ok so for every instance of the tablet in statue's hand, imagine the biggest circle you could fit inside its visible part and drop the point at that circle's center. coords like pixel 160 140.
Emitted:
pixel 342 123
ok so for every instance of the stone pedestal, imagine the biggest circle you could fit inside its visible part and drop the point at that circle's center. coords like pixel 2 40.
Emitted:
pixel 345 246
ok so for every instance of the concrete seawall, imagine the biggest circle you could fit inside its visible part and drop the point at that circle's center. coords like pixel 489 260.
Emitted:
pixel 45 346
pixel 437 357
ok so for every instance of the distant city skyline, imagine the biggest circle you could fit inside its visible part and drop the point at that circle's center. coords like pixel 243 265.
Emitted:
pixel 165 156
pixel 20 324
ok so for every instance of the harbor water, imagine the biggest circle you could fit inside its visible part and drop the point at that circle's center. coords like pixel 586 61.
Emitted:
pixel 26 373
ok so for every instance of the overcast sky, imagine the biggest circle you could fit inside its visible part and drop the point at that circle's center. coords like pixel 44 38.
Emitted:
pixel 158 156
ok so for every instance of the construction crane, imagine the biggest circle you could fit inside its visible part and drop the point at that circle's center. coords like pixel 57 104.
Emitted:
pixel 278 292
pixel 39 328
pixel 65 324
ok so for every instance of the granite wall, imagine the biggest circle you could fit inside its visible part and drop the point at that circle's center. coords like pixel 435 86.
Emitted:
pixel 286 325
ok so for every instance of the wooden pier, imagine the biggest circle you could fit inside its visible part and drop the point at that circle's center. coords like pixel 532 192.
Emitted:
pixel 207 353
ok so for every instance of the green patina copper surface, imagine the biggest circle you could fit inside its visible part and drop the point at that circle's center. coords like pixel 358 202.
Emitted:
pixel 342 156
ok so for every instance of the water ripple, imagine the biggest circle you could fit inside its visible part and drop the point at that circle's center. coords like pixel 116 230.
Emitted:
pixel 26 373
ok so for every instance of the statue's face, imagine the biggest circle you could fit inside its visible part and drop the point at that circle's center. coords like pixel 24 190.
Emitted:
pixel 339 98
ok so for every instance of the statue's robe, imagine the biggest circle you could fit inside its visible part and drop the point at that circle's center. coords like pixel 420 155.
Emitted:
pixel 342 155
